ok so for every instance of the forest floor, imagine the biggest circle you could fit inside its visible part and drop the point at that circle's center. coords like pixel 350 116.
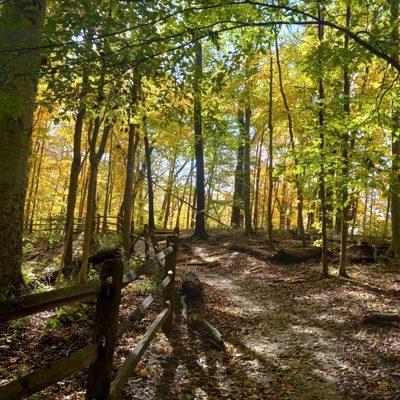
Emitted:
pixel 288 334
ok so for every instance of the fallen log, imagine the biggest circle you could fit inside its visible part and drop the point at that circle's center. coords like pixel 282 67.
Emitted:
pixel 296 255
pixel 381 318
pixel 202 327
pixel 366 252
pixel 259 254
pixel 191 290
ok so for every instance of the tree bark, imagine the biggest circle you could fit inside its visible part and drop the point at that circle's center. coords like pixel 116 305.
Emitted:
pixel 247 173
pixel 20 27
pixel 322 178
pixel 108 187
pixel 95 158
pixel 66 259
pixel 299 189
pixel 200 226
pixel 150 190
pixel 394 250
pixel 344 217
pixel 238 186
pixel 270 153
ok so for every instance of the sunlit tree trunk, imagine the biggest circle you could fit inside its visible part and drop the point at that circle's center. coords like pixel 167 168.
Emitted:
pixel 270 153
pixel 344 217
pixel 299 189
pixel 258 182
pixel 238 185
pixel 108 187
pixel 149 175
pixel 94 158
pixel 189 205
pixel 32 178
pixel 164 214
pixel 200 226
pixel 248 226
pixel 322 177
pixel 31 217
pixel 66 259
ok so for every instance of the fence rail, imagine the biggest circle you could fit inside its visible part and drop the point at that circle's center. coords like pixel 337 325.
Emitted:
pixel 98 356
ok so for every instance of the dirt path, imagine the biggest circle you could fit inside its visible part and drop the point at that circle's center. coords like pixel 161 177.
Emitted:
pixel 289 335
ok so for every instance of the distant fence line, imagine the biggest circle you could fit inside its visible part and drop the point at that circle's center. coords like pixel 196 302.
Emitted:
pixel 108 223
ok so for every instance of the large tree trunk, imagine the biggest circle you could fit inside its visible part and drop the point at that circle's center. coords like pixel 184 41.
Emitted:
pixel 322 178
pixel 200 226
pixel 344 217
pixel 395 176
pixel 20 27
pixel 270 153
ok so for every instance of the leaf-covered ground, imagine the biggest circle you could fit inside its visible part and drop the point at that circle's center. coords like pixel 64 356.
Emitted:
pixel 289 335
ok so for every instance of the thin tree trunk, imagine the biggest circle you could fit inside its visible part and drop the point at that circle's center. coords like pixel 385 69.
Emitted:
pixel 31 186
pixel 150 190
pixel 66 259
pixel 270 153
pixel 299 189
pixel 36 190
pixel 344 218
pixel 247 173
pixel 189 209
pixel 237 204
pixel 395 176
pixel 200 227
pixel 108 187
pixel 322 178
pixel 95 158
pixel 258 182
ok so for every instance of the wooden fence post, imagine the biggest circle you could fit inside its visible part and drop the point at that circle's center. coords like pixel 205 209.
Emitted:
pixel 170 269
pixel 105 330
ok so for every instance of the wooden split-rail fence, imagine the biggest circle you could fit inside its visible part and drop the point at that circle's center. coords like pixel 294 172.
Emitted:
pixel 99 354
pixel 108 223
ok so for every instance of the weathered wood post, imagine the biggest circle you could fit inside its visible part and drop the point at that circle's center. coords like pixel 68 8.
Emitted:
pixel 170 269
pixel 146 241
pixel 105 330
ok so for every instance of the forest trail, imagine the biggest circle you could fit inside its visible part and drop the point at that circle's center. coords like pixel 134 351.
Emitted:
pixel 289 335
